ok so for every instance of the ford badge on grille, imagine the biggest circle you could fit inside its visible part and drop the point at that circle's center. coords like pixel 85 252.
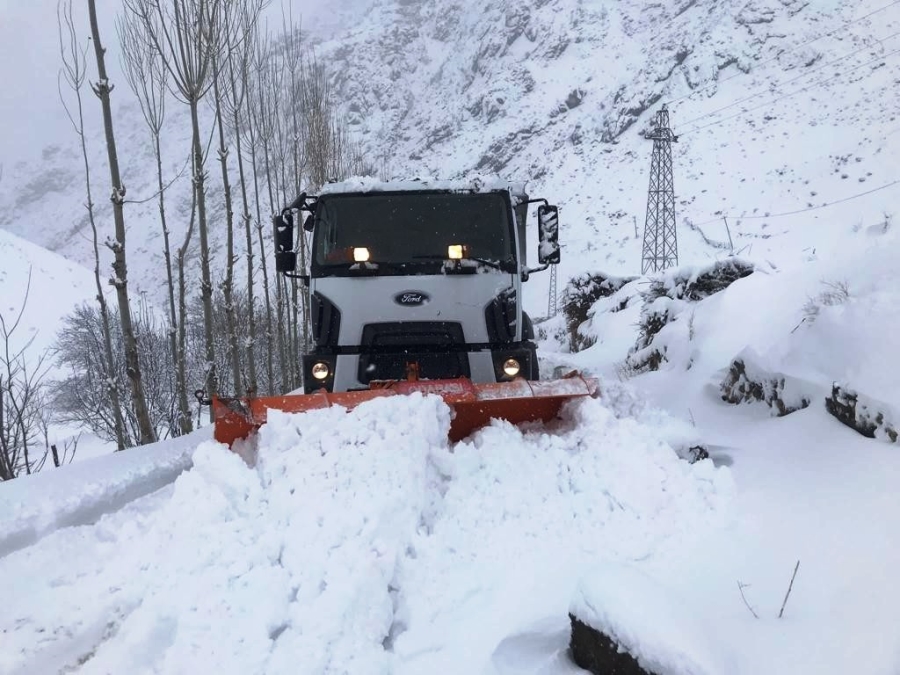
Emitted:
pixel 411 298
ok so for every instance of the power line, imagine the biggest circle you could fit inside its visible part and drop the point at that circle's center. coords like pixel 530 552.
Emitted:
pixel 787 51
pixel 818 83
pixel 797 211
pixel 821 206
pixel 786 82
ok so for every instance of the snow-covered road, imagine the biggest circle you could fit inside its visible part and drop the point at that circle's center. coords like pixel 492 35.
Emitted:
pixel 361 543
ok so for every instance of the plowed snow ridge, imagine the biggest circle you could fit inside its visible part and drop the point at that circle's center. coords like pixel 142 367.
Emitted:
pixel 359 542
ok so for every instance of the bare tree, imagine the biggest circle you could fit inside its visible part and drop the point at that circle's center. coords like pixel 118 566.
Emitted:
pixel 102 88
pixel 271 75
pixel 79 396
pixel 21 399
pixel 240 53
pixel 234 356
pixel 148 78
pixel 257 117
pixel 73 72
pixel 188 36
pixel 181 359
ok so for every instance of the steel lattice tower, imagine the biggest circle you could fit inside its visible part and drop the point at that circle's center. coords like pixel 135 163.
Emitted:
pixel 660 237
pixel 551 301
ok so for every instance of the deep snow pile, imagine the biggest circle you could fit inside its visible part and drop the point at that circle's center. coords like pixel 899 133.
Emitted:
pixel 360 542
pixel 36 505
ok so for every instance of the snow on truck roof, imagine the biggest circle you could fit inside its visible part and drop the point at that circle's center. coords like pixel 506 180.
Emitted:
pixel 473 184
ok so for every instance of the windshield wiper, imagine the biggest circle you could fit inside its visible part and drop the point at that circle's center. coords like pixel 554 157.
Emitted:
pixel 490 263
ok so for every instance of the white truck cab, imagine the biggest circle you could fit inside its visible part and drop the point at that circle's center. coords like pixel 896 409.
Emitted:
pixel 416 272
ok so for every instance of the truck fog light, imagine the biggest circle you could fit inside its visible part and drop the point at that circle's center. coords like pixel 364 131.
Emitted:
pixel 320 370
pixel 511 367
pixel 361 254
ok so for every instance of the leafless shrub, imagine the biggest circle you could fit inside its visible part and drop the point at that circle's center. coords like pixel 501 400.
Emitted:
pixel 835 293
pixel 21 399
pixel 81 397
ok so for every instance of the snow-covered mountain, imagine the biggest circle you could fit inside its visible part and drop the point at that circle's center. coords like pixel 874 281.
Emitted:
pixel 780 106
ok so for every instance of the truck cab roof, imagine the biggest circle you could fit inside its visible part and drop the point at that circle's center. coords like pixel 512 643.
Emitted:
pixel 478 184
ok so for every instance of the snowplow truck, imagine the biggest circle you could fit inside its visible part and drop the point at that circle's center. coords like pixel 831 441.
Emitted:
pixel 416 286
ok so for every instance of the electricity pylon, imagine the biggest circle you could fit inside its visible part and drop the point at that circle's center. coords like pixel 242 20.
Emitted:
pixel 660 249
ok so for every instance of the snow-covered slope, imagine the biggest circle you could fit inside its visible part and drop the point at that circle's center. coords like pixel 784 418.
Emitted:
pixel 558 93
pixel 44 287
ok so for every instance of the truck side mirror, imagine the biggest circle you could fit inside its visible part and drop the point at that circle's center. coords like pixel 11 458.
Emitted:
pixel 285 257
pixel 548 233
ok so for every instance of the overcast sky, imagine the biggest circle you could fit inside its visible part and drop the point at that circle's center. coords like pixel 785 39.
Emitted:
pixel 31 115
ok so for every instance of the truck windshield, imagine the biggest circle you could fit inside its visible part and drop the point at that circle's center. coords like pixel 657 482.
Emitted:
pixel 389 230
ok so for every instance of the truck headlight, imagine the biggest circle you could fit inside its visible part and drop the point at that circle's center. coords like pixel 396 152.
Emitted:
pixel 511 367
pixel 361 254
pixel 320 370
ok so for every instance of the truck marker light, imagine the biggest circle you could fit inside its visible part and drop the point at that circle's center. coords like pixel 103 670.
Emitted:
pixel 511 367
pixel 320 370
pixel 361 254
pixel 455 251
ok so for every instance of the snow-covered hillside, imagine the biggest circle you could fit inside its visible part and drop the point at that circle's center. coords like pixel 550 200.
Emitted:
pixel 42 287
pixel 558 93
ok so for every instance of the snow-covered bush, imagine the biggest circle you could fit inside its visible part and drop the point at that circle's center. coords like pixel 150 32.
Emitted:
pixel 835 293
pixel 696 283
pixel 669 295
pixel 579 297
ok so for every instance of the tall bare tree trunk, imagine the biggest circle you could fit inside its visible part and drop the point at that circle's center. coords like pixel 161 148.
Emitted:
pixel 188 34
pixel 234 355
pixel 147 76
pixel 74 70
pixel 259 115
pixel 256 133
pixel 238 90
pixel 180 370
pixel 103 89
pixel 280 327
pixel 205 276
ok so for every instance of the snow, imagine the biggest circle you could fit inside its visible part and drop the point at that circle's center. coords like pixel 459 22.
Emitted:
pixel 37 505
pixel 473 183
pixel 648 620
pixel 362 542
pixel 29 275
pixel 353 531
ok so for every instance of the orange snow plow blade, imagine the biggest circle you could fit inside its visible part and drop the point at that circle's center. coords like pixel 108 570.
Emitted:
pixel 472 405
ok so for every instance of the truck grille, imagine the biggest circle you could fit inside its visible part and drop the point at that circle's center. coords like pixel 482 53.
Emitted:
pixel 437 346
